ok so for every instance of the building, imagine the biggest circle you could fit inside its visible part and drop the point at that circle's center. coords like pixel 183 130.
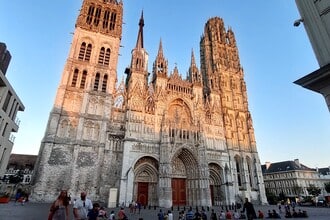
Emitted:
pixel 315 16
pixel 290 178
pixel 10 104
pixel 162 140
pixel 21 164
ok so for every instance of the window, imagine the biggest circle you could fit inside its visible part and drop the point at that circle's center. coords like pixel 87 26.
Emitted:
pixel 85 52
pixel 113 21
pixel 75 78
pixel 82 51
pixel 101 56
pixel 238 169
pixel 7 100
pixel 107 57
pixel 106 19
pixel 90 14
pixel 97 17
pixel 97 81
pixel 83 79
pixel 104 83
pixel 88 52
pixel 104 56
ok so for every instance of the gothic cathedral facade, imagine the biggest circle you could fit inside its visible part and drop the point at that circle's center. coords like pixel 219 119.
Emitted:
pixel 162 140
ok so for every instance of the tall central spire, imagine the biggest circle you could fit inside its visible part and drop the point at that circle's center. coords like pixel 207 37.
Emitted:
pixel 139 42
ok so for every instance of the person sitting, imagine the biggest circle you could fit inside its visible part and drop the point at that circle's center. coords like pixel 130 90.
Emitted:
pixel 275 214
pixel 228 214
pixel 260 214
pixel 103 213
pixel 288 214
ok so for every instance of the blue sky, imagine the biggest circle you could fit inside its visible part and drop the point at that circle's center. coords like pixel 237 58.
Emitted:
pixel 290 122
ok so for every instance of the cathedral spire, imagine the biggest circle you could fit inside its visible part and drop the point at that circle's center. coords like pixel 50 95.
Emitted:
pixel 160 49
pixel 139 42
pixel 193 73
pixel 193 62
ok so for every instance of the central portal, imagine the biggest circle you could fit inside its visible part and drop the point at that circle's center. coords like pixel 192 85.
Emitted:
pixel 179 191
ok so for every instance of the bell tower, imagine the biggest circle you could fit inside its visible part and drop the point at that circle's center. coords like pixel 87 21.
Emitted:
pixel 72 149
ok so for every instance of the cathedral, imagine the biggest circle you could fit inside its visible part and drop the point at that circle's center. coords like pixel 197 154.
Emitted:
pixel 155 138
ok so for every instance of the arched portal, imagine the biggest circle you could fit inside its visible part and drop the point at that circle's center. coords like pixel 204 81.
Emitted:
pixel 145 183
pixel 184 176
pixel 216 184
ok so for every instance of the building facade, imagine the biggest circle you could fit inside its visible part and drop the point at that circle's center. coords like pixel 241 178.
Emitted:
pixel 291 178
pixel 10 104
pixel 23 165
pixel 162 140
pixel 315 16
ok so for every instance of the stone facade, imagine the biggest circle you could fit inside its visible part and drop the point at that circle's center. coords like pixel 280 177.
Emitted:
pixel 161 141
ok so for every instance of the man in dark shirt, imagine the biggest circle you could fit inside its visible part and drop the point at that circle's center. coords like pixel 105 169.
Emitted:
pixel 250 212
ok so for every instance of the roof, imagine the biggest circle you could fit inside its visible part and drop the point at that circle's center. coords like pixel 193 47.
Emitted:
pixel 324 171
pixel 21 161
pixel 284 167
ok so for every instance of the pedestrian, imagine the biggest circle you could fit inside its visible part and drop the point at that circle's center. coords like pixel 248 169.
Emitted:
pixel 81 207
pixel 94 213
pixel 59 210
pixel 170 215
pixel 112 215
pixel 160 215
pixel 250 212
pixel 121 214
pixel 18 195
pixel 213 215
pixel 190 214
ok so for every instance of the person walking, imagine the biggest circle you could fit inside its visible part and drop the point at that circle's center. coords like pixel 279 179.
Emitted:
pixel 81 207
pixel 59 209
pixel 250 212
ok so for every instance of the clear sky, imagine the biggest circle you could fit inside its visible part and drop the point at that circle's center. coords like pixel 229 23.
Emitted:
pixel 290 122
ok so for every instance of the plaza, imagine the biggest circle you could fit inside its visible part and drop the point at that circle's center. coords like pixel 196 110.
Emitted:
pixel 39 211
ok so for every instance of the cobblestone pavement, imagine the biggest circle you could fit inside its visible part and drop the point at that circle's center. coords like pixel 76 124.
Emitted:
pixel 39 211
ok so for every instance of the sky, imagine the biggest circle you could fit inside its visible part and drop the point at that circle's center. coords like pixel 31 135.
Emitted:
pixel 290 122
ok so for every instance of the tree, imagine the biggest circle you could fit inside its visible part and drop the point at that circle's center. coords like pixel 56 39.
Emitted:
pixel 271 197
pixel 297 189
pixel 313 190
pixel 327 187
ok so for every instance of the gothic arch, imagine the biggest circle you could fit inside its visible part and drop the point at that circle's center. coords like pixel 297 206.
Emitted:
pixel 217 184
pixel 189 161
pixel 146 169
pixel 146 180
pixel 179 114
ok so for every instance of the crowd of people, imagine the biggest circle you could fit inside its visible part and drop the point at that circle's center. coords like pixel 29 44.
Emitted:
pixel 84 209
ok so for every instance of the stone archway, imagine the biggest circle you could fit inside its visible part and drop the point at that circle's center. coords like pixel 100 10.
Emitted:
pixel 185 172
pixel 145 182
pixel 216 184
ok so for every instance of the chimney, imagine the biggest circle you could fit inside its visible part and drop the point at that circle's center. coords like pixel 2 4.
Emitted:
pixel 267 165
pixel 296 161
